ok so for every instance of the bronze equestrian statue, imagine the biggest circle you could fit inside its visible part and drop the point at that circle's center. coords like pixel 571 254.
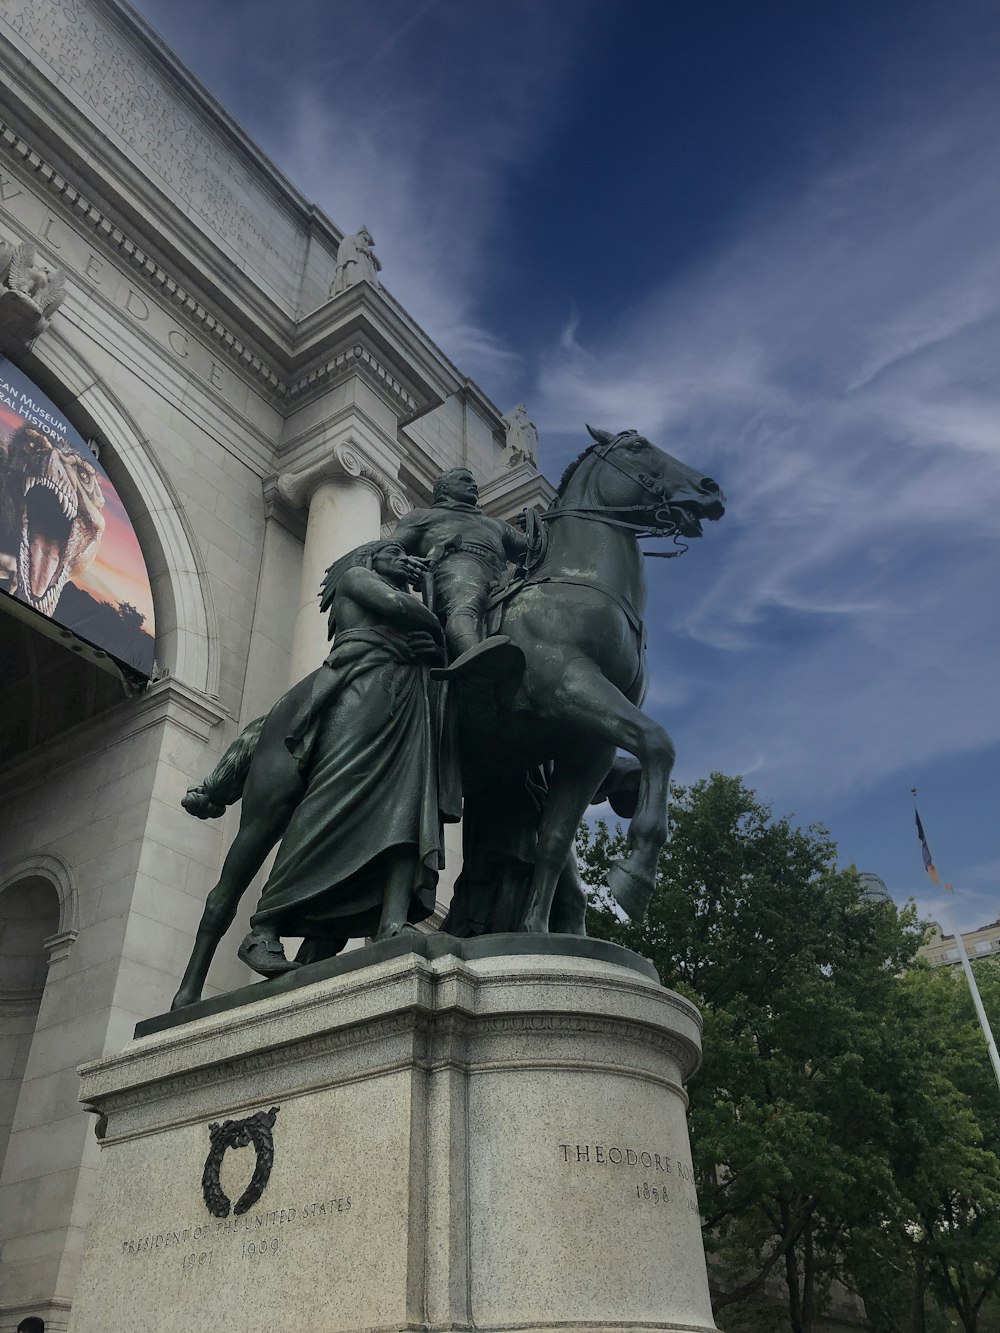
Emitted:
pixel 534 749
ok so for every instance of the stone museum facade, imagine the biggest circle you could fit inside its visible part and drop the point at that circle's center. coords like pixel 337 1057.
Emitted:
pixel 256 427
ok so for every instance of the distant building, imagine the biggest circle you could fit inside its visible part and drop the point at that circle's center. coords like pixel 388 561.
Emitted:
pixel 873 889
pixel 942 950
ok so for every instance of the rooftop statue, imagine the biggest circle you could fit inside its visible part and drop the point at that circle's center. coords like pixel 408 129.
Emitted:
pixel 356 262
pixel 522 437
pixel 548 674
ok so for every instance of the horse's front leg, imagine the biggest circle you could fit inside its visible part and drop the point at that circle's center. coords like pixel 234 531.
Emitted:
pixel 570 790
pixel 589 702
pixel 269 800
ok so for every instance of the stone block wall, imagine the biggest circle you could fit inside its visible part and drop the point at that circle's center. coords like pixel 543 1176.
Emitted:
pixel 197 343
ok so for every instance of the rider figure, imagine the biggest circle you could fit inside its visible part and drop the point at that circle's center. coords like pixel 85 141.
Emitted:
pixel 468 551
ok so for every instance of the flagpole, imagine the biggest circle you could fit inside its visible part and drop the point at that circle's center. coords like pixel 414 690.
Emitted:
pixel 984 1022
pixel 977 1000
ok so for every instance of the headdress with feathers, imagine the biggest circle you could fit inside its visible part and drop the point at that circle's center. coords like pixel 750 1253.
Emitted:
pixel 362 556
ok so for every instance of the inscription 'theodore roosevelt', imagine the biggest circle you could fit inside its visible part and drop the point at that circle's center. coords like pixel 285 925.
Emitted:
pixel 601 1154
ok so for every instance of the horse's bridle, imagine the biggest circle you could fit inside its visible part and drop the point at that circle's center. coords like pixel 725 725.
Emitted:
pixel 663 525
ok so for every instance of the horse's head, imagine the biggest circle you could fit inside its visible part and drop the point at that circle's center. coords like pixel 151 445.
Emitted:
pixel 630 474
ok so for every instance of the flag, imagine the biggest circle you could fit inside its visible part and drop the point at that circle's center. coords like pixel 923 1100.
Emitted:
pixel 925 852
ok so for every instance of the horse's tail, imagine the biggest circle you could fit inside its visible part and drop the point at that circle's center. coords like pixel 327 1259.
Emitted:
pixel 224 785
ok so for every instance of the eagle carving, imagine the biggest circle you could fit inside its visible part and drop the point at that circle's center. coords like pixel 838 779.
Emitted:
pixel 30 292
pixel 50 516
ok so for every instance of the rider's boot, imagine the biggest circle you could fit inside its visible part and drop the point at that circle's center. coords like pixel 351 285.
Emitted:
pixel 495 659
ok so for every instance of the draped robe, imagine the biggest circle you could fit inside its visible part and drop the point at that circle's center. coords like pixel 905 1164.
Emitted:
pixel 368 742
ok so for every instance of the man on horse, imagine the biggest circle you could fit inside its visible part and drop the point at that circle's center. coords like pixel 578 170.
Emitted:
pixel 468 551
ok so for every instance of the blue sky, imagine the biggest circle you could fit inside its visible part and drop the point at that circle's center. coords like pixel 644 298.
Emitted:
pixel 768 236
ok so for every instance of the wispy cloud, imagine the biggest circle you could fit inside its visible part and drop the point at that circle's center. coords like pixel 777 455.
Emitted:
pixel 412 119
pixel 426 154
pixel 835 365
pixel 831 354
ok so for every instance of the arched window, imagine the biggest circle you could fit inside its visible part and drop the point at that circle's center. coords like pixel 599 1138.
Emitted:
pixel 29 919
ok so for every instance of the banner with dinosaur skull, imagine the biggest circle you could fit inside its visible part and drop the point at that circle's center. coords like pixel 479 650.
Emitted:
pixel 67 547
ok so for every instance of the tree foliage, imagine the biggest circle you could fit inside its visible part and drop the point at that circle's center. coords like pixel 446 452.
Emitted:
pixel 939 1244
pixel 815 1116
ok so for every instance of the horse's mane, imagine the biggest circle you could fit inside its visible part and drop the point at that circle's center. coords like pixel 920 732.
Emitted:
pixel 567 476
pixel 602 437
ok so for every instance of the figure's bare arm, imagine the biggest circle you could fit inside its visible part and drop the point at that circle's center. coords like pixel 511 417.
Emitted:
pixel 410 532
pixel 378 603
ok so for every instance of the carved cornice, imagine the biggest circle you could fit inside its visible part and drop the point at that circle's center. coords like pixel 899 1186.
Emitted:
pixel 365 1037
pixel 132 1081
pixel 284 386
pixel 136 258
pixel 343 461
pixel 353 360
pixel 276 507
pixel 514 490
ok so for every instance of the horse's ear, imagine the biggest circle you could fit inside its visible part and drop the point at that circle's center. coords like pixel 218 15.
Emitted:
pixel 601 436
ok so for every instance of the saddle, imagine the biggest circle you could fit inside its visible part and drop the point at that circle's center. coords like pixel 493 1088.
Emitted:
pixel 538 543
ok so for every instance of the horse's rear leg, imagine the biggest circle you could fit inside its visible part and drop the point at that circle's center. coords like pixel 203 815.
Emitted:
pixel 269 801
pixel 569 906
pixel 570 790
pixel 589 703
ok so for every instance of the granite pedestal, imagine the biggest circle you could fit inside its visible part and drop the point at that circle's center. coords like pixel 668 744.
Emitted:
pixel 458 1142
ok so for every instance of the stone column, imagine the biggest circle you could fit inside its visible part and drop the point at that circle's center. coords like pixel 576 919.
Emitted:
pixel 349 498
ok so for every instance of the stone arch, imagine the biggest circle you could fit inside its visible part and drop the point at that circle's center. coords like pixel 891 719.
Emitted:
pixel 36 897
pixel 57 872
pixel 187 643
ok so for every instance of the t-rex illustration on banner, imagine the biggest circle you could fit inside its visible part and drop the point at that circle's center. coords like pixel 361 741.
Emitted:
pixel 67 547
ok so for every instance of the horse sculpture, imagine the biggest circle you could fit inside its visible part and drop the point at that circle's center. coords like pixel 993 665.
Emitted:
pixel 577 617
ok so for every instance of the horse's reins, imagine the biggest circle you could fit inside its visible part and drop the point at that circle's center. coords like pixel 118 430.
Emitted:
pixel 661 526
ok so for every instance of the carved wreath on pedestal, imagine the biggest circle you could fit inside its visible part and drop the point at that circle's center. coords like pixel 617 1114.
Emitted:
pixel 255 1129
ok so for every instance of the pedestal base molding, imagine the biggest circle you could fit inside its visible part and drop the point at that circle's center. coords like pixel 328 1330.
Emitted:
pixel 427 1143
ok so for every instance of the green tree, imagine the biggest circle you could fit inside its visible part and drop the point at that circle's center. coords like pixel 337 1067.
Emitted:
pixel 794 972
pixel 938 1247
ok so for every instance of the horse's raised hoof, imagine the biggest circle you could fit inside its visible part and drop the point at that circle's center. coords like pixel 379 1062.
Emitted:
pixel 631 893
pixel 265 956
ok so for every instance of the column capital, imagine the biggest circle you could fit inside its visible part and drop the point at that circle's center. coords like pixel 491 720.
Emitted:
pixel 344 461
